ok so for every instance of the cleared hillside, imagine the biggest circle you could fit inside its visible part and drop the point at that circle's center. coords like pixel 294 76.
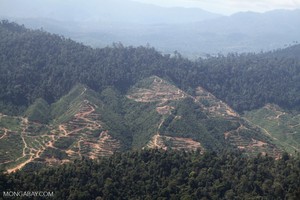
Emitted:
pixel 154 114
pixel 282 125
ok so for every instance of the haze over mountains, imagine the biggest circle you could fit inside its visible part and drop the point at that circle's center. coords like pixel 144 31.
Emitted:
pixel 126 11
pixel 191 31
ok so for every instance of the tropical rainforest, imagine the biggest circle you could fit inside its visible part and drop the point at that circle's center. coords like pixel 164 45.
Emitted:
pixel 158 174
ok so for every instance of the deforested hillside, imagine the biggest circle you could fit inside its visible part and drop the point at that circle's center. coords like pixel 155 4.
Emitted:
pixel 153 114
pixel 78 125
pixel 183 121
pixel 282 125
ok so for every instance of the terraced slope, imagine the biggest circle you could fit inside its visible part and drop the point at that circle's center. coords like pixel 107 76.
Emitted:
pixel 201 122
pixel 283 126
pixel 246 135
pixel 162 94
pixel 22 141
pixel 75 131
pixel 153 114
pixel 213 105
pixel 155 89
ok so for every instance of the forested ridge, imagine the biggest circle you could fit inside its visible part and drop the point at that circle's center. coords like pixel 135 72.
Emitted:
pixel 158 174
pixel 37 64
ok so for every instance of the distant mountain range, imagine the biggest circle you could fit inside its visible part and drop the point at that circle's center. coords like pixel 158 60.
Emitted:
pixel 192 32
pixel 119 11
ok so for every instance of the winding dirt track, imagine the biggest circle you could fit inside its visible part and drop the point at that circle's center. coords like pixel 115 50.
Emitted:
pixel 62 129
pixel 30 153
pixel 4 134
pixel 33 153
pixel 154 142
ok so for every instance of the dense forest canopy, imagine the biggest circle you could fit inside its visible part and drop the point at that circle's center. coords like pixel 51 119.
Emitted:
pixel 160 174
pixel 37 64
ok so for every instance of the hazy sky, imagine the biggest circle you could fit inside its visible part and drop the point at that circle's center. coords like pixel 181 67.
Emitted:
pixel 229 6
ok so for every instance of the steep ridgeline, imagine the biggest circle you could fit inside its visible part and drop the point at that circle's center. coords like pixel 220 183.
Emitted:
pixel 153 114
pixel 182 121
pixel 161 98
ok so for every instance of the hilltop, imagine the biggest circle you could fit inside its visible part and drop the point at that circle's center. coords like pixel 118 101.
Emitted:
pixel 153 114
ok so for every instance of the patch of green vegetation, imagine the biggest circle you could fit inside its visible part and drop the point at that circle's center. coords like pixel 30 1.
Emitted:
pixel 190 121
pixel 64 142
pixel 56 153
pixel 17 162
pixel 143 121
pixel 11 123
pixel 96 133
pixel 37 129
pixel 33 166
pixel 44 139
pixel 66 107
pixel 34 142
pixel 222 125
pixel 117 126
pixel 145 83
pixel 11 147
pixel 112 99
pixel 39 111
